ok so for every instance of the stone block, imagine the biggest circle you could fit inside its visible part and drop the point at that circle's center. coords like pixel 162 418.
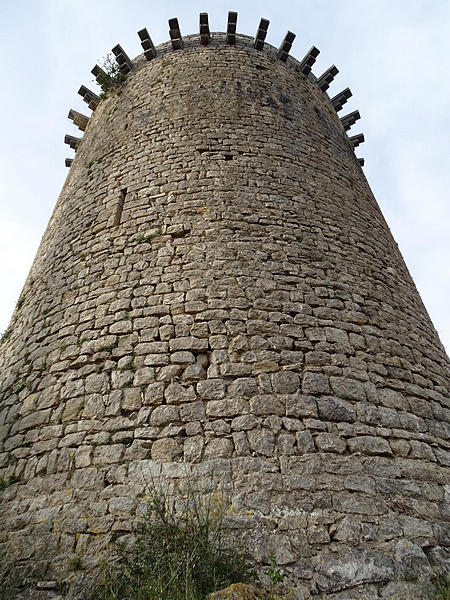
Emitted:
pixel 261 441
pixel 192 411
pixel 243 387
pixel 163 415
pixel 315 383
pixel 232 407
pixel 329 442
pixel 189 343
pixel 193 449
pixel 264 405
pixel 367 444
pixel 166 450
pixel 336 409
pixel 285 382
pixel 346 570
pixel 349 389
pixel 299 405
pixel 219 448
pixel 176 393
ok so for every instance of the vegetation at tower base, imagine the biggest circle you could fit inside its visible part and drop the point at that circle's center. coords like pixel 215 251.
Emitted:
pixel 217 297
pixel 178 553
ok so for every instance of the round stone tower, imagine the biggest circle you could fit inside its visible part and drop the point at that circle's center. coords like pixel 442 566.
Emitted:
pixel 218 301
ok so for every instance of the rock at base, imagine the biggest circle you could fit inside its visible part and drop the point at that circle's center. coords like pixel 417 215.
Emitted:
pixel 237 591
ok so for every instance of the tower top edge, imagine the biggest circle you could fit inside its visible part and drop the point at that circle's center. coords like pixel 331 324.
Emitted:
pixel 218 40
pixel 205 40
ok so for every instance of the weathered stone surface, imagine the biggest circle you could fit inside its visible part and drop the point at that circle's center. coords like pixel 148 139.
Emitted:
pixel 348 388
pixel 339 572
pixel 367 444
pixel 166 450
pixel 162 415
pixel 176 393
pixel 315 383
pixel 328 442
pixel 237 591
pixel 412 560
pixel 335 409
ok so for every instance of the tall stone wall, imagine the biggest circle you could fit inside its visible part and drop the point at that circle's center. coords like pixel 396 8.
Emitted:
pixel 218 299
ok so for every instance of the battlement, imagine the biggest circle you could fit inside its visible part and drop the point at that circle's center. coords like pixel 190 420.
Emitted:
pixel 205 38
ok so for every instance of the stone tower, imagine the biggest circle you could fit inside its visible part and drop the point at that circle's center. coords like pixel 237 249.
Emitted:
pixel 218 298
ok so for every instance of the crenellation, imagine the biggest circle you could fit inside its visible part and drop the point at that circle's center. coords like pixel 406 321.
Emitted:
pixel 261 34
pixel 205 34
pixel 327 77
pixel 72 141
pixel 91 99
pixel 147 44
pixel 231 27
pixel 78 119
pixel 175 34
pixel 286 45
pixel 123 60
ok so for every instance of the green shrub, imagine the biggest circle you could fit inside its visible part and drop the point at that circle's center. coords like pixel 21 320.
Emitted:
pixel 275 575
pixel 177 554
pixel 4 483
pixel 5 335
pixel 111 77
pixel 442 589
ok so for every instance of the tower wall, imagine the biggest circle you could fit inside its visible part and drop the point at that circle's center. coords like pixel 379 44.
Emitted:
pixel 218 300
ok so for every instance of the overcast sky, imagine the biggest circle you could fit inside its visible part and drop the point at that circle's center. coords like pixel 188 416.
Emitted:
pixel 394 55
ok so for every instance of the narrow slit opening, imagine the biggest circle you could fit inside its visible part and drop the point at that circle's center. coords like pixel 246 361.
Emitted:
pixel 119 208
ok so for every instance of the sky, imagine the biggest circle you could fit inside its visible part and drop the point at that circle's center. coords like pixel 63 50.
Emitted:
pixel 394 55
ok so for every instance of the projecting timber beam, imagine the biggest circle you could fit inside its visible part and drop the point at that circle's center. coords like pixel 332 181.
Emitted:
pixel 286 45
pixel 175 34
pixel 340 99
pixel 89 97
pixel 78 119
pixel 308 61
pixel 205 34
pixel 326 78
pixel 123 60
pixel 147 44
pixel 231 27
pixel 261 34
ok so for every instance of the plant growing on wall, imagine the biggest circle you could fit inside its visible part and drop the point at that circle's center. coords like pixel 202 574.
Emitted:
pixel 110 76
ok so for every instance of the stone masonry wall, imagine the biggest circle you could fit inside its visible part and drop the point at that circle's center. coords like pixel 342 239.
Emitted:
pixel 218 299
